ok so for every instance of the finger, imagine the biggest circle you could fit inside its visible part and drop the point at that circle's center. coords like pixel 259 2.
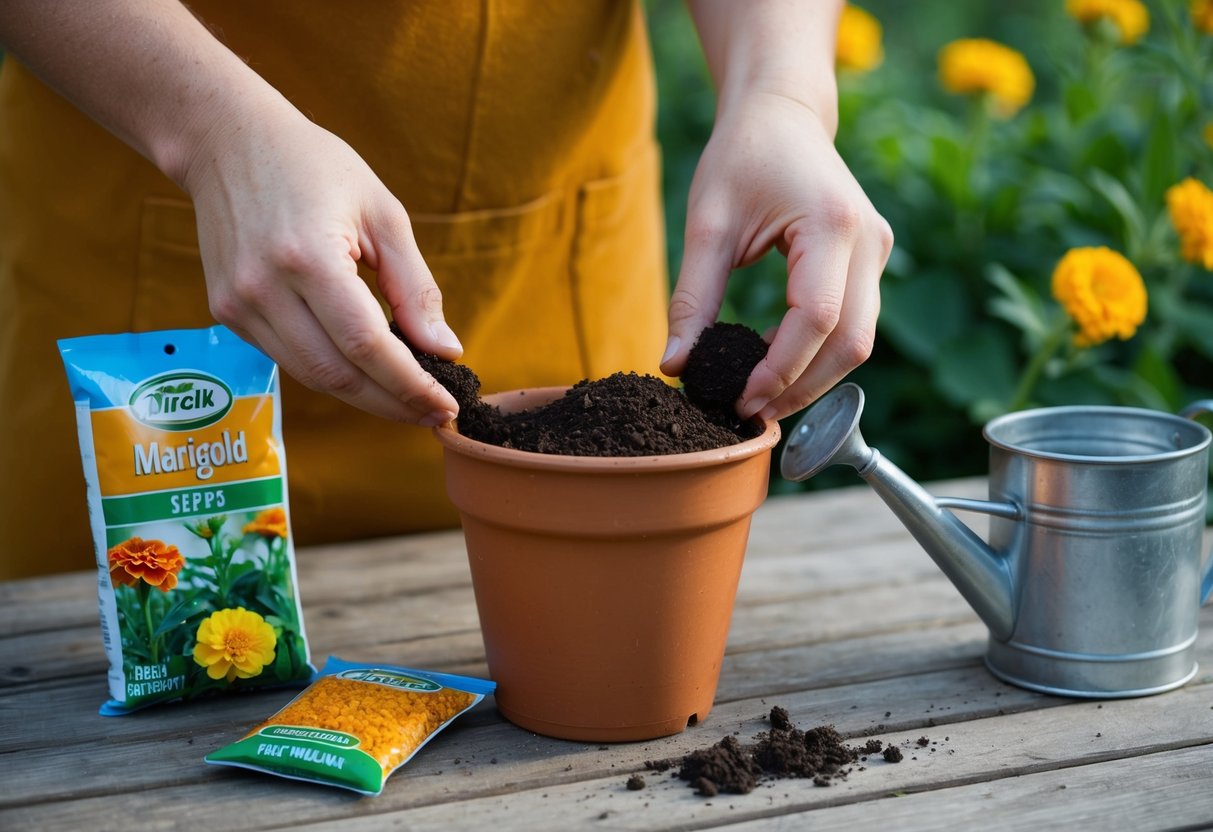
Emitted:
pixel 695 302
pixel 349 317
pixel 850 343
pixel 818 262
pixel 302 346
pixel 408 285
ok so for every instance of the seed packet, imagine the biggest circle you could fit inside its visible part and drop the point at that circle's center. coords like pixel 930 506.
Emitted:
pixel 185 473
pixel 355 725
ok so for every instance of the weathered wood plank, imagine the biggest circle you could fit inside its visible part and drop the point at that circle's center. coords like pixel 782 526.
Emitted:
pixel 745 675
pixel 1163 791
pixel 1051 744
pixel 842 620
pixel 414 564
pixel 538 781
pixel 334 627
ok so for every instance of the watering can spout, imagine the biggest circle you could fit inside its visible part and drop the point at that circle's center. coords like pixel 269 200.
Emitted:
pixel 828 434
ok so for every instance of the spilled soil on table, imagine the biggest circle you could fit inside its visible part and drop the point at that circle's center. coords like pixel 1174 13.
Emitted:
pixel 625 414
pixel 820 754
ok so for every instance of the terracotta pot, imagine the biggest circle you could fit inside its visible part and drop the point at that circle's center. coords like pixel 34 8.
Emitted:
pixel 604 585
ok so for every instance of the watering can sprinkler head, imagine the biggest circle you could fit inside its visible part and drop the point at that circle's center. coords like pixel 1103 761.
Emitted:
pixel 828 434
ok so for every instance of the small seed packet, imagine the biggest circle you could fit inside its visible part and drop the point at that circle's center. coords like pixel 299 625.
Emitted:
pixel 185 475
pixel 355 725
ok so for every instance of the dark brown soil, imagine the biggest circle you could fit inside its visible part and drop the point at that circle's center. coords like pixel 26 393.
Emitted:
pixel 625 414
pixel 725 766
pixel 719 365
pixel 820 754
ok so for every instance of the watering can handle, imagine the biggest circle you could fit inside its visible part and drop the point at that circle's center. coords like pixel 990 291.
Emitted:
pixel 1191 412
pixel 1008 510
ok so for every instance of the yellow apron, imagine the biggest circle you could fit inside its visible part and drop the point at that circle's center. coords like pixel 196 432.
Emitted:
pixel 519 136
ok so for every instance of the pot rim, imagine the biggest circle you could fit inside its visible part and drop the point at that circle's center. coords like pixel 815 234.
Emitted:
pixel 454 441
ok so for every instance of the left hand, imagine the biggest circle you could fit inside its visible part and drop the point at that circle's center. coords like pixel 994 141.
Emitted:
pixel 770 176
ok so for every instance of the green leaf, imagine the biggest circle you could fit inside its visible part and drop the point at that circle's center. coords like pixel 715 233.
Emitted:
pixel 1196 324
pixel 1130 388
pixel 239 570
pixel 922 313
pixel 1159 375
pixel 1018 305
pixel 282 661
pixel 180 612
pixel 1080 102
pixel 949 167
pixel 977 371
pixel 1126 206
pixel 1161 169
pixel 1106 153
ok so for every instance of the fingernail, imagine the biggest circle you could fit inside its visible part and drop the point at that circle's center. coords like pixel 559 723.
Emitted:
pixel 445 336
pixel 752 406
pixel 438 417
pixel 671 347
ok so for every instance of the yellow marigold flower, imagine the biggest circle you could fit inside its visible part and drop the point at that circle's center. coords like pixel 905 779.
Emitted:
pixel 858 46
pixel 269 523
pixel 154 562
pixel 1190 205
pixel 974 66
pixel 1131 17
pixel 234 644
pixel 1102 291
pixel 1202 15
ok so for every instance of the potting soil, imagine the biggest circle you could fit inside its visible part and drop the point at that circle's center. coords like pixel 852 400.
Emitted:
pixel 820 754
pixel 625 414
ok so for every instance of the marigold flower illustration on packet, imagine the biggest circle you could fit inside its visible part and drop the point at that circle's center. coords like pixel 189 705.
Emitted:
pixel 180 438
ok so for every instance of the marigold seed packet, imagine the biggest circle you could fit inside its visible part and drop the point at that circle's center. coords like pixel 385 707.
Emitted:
pixel 185 474
pixel 355 725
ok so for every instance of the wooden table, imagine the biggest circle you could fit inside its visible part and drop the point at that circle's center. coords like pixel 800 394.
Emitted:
pixel 840 619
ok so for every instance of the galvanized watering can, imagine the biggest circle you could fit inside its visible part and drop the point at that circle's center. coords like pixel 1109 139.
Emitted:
pixel 1091 582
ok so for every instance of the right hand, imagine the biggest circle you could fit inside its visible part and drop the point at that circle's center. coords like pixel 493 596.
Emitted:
pixel 286 210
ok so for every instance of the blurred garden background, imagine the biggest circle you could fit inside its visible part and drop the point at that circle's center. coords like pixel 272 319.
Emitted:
pixel 1045 166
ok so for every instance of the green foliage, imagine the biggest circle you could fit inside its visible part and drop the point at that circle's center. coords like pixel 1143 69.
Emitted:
pixel 983 209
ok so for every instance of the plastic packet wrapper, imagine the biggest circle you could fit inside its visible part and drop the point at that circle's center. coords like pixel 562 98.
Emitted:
pixel 355 725
pixel 185 474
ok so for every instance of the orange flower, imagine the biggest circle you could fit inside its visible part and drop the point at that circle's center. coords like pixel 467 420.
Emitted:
pixel 858 43
pixel 269 523
pixel 152 561
pixel 1202 15
pixel 1102 291
pixel 976 66
pixel 1190 204
pixel 1130 17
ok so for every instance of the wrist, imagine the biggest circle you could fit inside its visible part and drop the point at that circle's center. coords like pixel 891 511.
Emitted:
pixel 780 48
pixel 819 98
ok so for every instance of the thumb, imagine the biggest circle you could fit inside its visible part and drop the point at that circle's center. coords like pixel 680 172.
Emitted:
pixel 410 291
pixel 695 302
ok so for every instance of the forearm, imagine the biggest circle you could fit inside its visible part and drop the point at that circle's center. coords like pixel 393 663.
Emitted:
pixel 777 47
pixel 147 70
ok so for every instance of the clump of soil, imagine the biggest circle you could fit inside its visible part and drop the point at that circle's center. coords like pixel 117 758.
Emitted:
pixel 719 364
pixel 625 414
pixel 724 766
pixel 820 754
